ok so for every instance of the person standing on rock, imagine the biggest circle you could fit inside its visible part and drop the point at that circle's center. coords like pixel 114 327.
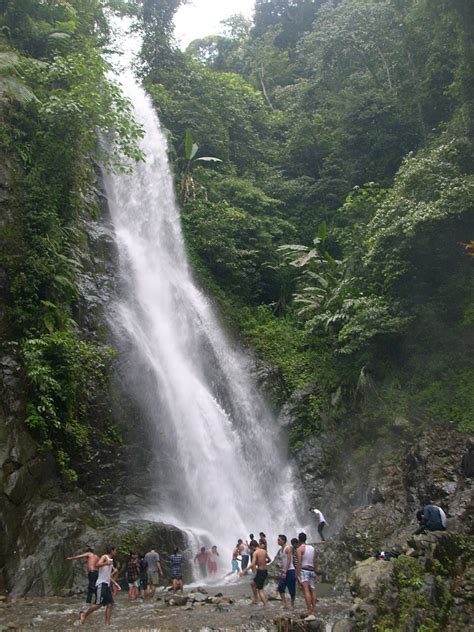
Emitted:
pixel 154 572
pixel 287 571
pixel 103 591
pixel 176 570
pixel 259 563
pixel 92 572
pixel 305 572
pixel 321 521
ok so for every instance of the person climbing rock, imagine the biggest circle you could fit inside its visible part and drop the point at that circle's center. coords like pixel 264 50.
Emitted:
pixel 430 518
pixel 321 520
pixel 92 572
pixel 103 592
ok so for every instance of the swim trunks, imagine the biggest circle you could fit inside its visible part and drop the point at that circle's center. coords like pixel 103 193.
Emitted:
pixel 260 579
pixel 309 577
pixel 104 595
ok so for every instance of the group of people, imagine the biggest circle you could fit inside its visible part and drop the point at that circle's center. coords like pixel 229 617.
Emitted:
pixel 297 562
pixel 143 573
pixel 207 561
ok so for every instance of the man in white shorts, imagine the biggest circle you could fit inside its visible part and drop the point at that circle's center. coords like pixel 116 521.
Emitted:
pixel 306 571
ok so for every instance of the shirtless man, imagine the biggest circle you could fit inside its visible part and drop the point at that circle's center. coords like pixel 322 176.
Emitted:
pixel 92 572
pixel 259 563
pixel 103 588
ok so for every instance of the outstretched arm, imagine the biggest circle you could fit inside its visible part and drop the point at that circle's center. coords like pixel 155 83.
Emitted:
pixel 80 556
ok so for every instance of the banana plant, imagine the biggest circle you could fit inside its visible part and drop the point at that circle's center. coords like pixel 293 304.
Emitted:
pixel 188 188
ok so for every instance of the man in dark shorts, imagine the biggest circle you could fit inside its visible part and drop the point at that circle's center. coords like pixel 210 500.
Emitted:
pixel 287 577
pixel 92 572
pixel 143 576
pixel 103 590
pixel 259 566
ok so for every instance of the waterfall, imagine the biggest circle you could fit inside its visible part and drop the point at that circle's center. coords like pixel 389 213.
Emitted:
pixel 221 471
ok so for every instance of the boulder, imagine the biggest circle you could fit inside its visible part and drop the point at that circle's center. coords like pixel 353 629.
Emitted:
pixel 343 625
pixel 370 578
pixel 177 600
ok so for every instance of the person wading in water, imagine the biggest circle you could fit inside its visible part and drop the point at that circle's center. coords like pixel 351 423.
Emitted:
pixel 259 563
pixel 103 590
pixel 92 572
pixel 305 571
pixel 287 571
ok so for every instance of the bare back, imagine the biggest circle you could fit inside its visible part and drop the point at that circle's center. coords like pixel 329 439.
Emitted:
pixel 92 560
pixel 260 559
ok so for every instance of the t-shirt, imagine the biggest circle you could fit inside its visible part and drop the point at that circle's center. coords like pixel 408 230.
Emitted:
pixel 319 515
pixel 151 558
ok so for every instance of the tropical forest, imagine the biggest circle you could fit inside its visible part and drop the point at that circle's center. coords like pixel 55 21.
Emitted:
pixel 237 282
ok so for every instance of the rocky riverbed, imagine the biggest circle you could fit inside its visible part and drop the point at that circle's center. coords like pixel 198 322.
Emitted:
pixel 224 607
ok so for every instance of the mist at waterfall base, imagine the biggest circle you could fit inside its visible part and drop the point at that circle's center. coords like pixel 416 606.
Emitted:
pixel 219 465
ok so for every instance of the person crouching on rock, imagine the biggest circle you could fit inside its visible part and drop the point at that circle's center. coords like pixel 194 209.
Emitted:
pixel 430 518
pixel 103 589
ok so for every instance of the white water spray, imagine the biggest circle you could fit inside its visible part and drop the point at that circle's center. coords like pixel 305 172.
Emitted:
pixel 220 469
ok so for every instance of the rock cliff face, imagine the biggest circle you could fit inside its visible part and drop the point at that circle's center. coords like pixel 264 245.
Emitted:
pixel 372 497
pixel 42 518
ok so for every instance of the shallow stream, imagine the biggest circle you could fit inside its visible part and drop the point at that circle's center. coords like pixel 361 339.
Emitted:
pixel 62 614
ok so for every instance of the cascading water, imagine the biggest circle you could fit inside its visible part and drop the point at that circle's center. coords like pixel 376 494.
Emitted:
pixel 220 469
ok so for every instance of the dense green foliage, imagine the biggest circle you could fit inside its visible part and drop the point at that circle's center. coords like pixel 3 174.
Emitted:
pixel 334 224
pixel 332 232
pixel 55 96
